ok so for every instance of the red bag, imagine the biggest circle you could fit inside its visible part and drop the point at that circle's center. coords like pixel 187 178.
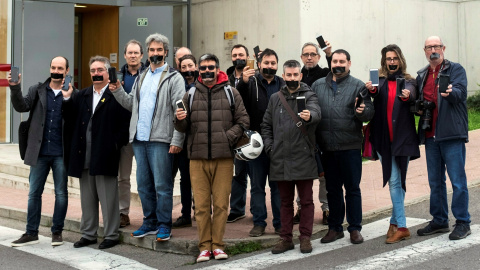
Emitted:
pixel 367 149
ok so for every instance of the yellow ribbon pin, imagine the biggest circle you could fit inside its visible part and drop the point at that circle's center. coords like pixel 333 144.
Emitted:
pixel 103 100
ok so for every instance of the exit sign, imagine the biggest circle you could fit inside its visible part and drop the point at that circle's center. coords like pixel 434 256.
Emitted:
pixel 142 22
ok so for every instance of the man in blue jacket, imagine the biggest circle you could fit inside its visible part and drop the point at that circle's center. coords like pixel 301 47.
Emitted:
pixel 443 128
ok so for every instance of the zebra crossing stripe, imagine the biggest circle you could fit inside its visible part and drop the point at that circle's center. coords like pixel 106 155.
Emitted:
pixel 81 258
pixel 267 259
pixel 416 253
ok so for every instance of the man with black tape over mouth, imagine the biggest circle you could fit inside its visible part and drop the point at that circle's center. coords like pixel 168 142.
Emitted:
pixel 444 131
pixel 256 89
pixel 99 131
pixel 340 137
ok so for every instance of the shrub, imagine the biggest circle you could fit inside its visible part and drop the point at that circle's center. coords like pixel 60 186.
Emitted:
pixel 473 102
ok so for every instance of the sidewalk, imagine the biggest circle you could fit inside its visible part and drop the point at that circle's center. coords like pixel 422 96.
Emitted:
pixel 375 199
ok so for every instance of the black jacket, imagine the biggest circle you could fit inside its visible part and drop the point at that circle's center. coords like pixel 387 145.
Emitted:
pixel 405 140
pixel 315 73
pixel 291 156
pixel 109 132
pixel 255 98
pixel 452 121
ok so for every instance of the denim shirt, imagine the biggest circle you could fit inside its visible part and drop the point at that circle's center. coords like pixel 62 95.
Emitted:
pixel 52 132
pixel 148 99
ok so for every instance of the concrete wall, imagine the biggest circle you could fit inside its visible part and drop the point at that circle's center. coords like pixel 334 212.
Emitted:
pixel 362 27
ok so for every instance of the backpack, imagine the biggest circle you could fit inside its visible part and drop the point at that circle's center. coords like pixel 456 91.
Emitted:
pixel 228 91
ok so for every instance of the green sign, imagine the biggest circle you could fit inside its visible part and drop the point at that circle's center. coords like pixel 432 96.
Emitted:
pixel 142 22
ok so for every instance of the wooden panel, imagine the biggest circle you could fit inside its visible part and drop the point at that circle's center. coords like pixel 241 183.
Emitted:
pixel 3 60
pixel 99 37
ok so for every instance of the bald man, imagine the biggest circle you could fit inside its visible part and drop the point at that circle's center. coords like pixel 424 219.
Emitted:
pixel 179 53
pixel 444 136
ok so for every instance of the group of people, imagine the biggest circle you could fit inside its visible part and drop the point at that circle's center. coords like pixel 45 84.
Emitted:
pixel 190 119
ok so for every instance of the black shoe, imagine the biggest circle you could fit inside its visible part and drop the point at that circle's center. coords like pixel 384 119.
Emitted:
pixel 108 243
pixel 278 230
pixel 234 217
pixel 83 242
pixel 182 222
pixel 257 231
pixel 57 239
pixel 296 218
pixel 460 231
pixel 25 239
pixel 432 228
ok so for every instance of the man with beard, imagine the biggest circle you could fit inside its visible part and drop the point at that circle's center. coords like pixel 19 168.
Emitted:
pixel 154 140
pixel 238 198
pixel 213 130
pixel 45 148
pixel 133 54
pixel 96 140
pixel 345 104
pixel 256 90
pixel 290 143
pixel 311 72
pixel 444 139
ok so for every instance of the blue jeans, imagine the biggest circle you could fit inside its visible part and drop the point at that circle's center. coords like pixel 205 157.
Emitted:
pixel 449 155
pixel 397 194
pixel 258 170
pixel 154 182
pixel 343 169
pixel 238 197
pixel 37 179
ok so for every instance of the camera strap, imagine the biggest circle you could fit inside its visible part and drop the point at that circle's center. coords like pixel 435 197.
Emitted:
pixel 298 122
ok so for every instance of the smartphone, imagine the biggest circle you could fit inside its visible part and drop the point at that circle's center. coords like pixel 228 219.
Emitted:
pixel 112 75
pixel 15 71
pixel 359 101
pixel 321 42
pixel 256 50
pixel 444 81
pixel 180 104
pixel 374 77
pixel 120 76
pixel 68 79
pixel 251 63
pixel 301 105
pixel 400 86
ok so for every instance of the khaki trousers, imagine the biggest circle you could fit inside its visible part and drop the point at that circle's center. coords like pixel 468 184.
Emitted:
pixel 211 182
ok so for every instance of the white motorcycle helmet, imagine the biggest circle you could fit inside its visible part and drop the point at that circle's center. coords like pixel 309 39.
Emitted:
pixel 249 147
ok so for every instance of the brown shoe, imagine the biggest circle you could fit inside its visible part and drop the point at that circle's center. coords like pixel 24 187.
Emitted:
pixel 124 220
pixel 356 237
pixel 282 246
pixel 325 215
pixel 391 230
pixel 257 231
pixel 331 236
pixel 398 236
pixel 305 245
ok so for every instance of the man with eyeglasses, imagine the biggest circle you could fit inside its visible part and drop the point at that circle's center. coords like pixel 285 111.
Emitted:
pixel 445 139
pixel 154 140
pixel 96 140
pixel 133 54
pixel 311 72
pixel 256 89
pixel 213 130
pixel 239 183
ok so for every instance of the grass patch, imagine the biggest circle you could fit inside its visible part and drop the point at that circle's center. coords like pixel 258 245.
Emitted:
pixel 243 248
pixel 473 119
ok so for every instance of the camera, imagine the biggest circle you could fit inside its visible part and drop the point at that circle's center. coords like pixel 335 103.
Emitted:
pixel 428 108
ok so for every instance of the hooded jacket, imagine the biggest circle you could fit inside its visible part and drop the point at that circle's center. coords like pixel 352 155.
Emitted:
pixel 212 129
pixel 341 126
pixel 452 120
pixel 291 156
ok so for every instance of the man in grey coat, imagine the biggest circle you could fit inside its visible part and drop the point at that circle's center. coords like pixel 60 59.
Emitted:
pixel 44 149
pixel 290 144
pixel 345 104
pixel 154 140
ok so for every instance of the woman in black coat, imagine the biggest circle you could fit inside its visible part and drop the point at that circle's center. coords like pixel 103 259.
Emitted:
pixel 393 135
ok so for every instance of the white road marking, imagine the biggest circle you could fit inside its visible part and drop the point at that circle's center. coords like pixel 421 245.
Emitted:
pixel 416 253
pixel 267 259
pixel 81 258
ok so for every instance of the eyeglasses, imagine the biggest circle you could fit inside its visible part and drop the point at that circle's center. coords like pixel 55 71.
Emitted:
pixel 436 47
pixel 203 68
pixel 312 55
pixel 394 59
pixel 99 70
